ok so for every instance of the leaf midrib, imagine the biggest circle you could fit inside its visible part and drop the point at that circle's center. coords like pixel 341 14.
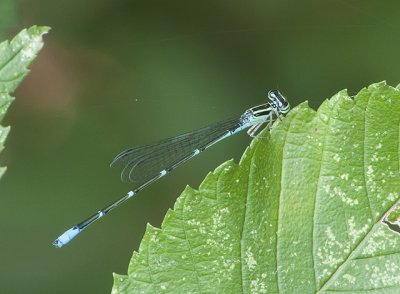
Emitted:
pixel 280 200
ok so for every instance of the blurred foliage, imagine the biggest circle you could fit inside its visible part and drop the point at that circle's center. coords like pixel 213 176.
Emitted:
pixel 8 18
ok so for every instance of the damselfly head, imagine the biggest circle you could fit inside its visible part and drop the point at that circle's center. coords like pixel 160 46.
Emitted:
pixel 278 101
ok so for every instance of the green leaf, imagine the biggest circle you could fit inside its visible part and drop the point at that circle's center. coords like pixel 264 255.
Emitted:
pixel 5 102
pixel 302 212
pixel 392 219
pixel 15 57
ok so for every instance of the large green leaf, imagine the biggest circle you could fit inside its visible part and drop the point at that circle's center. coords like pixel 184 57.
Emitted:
pixel 15 57
pixel 303 212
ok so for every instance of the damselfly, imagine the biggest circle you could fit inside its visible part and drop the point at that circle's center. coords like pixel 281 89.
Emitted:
pixel 144 165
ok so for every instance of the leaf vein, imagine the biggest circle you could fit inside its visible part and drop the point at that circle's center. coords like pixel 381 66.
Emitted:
pixel 364 159
pixel 189 245
pixel 243 224
pixel 2 66
pixel 316 202
pixel 279 202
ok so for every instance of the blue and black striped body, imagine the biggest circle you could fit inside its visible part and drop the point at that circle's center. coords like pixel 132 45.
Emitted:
pixel 144 165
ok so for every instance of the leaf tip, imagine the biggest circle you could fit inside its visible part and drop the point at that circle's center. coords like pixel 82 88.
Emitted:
pixel 39 30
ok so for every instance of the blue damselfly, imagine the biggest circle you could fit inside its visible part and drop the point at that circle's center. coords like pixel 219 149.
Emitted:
pixel 144 165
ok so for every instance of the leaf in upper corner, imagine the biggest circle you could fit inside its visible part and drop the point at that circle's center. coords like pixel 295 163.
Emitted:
pixel 15 57
pixel 301 213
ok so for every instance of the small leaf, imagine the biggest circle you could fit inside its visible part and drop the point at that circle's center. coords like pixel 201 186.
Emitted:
pixel 15 57
pixel 301 213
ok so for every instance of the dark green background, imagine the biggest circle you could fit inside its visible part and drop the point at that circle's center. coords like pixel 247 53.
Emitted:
pixel 114 74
